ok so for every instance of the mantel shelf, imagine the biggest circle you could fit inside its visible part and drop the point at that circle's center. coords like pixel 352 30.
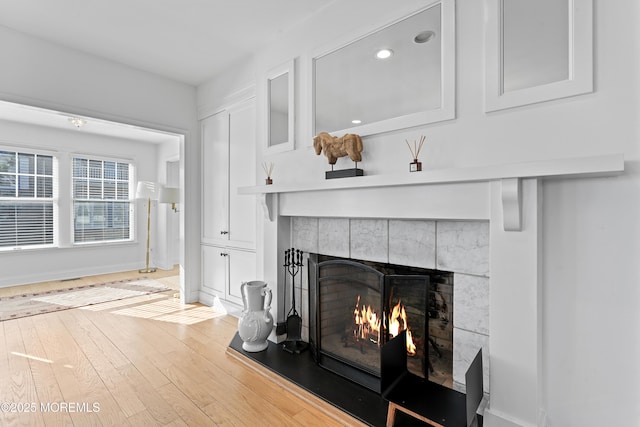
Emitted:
pixel 606 165
pixel 510 176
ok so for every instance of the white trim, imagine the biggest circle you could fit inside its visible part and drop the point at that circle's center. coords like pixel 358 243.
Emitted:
pixel 580 79
pixel 606 165
pixel 512 204
pixel 239 95
pixel 447 110
pixel 509 176
pixel 288 145
pixel 27 149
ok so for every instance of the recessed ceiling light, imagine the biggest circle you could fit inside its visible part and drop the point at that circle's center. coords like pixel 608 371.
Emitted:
pixel 77 122
pixel 356 121
pixel 384 53
pixel 424 36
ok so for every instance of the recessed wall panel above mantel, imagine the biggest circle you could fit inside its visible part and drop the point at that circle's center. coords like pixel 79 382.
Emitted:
pixel 537 51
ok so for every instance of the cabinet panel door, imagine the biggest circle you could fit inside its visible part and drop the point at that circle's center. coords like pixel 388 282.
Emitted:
pixel 214 270
pixel 242 268
pixel 242 172
pixel 215 177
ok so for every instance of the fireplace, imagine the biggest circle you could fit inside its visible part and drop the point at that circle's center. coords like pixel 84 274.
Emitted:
pixel 356 306
pixel 483 222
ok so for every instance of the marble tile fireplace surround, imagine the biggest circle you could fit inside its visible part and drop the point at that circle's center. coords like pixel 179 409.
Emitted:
pixel 461 247
pixel 483 224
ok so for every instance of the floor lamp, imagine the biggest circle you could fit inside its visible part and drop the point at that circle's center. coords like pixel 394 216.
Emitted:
pixel 148 191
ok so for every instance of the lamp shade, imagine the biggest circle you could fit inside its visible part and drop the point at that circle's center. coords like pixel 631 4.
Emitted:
pixel 169 195
pixel 147 190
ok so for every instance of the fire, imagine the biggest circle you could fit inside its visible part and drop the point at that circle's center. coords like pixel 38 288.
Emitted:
pixel 368 324
pixel 398 323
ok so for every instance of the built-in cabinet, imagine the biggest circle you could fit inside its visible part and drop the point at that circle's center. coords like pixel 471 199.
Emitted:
pixel 228 219
pixel 224 269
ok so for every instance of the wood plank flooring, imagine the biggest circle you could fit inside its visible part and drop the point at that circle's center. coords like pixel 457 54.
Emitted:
pixel 148 361
pixel 169 278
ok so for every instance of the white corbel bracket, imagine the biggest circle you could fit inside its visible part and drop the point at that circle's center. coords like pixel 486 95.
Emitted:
pixel 512 204
pixel 266 201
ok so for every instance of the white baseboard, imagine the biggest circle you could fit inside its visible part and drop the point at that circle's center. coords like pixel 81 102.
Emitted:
pixel 46 276
pixel 494 418
pixel 211 300
pixel 206 298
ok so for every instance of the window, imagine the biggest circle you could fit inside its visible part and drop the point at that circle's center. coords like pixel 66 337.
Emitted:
pixel 102 210
pixel 26 200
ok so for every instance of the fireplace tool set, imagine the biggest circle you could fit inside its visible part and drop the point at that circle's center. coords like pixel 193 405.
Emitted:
pixel 293 266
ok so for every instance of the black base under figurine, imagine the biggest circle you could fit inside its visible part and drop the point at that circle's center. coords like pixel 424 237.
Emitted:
pixel 344 173
pixel 295 347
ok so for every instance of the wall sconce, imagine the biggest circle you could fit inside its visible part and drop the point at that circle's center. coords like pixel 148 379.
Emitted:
pixel 170 195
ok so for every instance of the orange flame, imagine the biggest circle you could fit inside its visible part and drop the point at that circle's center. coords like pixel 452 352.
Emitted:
pixel 368 324
pixel 398 323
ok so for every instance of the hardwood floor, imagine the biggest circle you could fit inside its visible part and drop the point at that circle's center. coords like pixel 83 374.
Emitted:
pixel 148 361
pixel 169 278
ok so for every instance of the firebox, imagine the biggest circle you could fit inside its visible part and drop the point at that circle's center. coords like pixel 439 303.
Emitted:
pixel 356 306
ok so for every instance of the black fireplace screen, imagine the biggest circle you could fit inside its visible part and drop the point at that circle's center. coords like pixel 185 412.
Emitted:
pixel 406 296
pixel 357 306
pixel 350 311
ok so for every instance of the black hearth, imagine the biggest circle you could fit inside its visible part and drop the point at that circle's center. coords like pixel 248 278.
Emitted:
pixel 355 307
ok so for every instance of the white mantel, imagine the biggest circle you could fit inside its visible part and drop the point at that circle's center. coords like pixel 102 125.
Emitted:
pixel 510 176
pixel 508 196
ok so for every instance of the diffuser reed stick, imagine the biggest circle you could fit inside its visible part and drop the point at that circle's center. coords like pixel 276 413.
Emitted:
pixel 415 151
pixel 268 169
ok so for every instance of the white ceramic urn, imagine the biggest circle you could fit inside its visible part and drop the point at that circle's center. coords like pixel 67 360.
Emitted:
pixel 256 322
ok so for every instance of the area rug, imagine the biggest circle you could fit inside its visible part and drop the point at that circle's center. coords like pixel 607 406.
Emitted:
pixel 63 299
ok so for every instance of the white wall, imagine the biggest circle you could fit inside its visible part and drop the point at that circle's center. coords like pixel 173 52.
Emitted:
pixel 591 322
pixel 591 332
pixel 167 231
pixel 36 72
pixel 235 84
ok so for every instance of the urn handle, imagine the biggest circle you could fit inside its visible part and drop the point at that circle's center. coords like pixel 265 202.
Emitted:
pixel 267 304
pixel 244 297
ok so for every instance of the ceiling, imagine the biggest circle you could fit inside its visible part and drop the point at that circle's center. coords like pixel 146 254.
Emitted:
pixel 188 41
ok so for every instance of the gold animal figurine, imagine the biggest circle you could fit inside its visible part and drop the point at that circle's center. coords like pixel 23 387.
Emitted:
pixel 334 147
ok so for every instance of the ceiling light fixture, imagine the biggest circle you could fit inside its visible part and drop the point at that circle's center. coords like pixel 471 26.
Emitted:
pixel 356 121
pixel 424 36
pixel 384 53
pixel 77 122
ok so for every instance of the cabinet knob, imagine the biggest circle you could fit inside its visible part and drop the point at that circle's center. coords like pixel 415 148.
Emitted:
pixel 224 232
pixel 224 254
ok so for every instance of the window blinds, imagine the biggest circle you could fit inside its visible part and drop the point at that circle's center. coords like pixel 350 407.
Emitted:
pixel 26 200
pixel 101 205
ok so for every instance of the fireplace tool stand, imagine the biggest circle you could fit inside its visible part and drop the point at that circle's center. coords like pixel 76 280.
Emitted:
pixel 293 266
